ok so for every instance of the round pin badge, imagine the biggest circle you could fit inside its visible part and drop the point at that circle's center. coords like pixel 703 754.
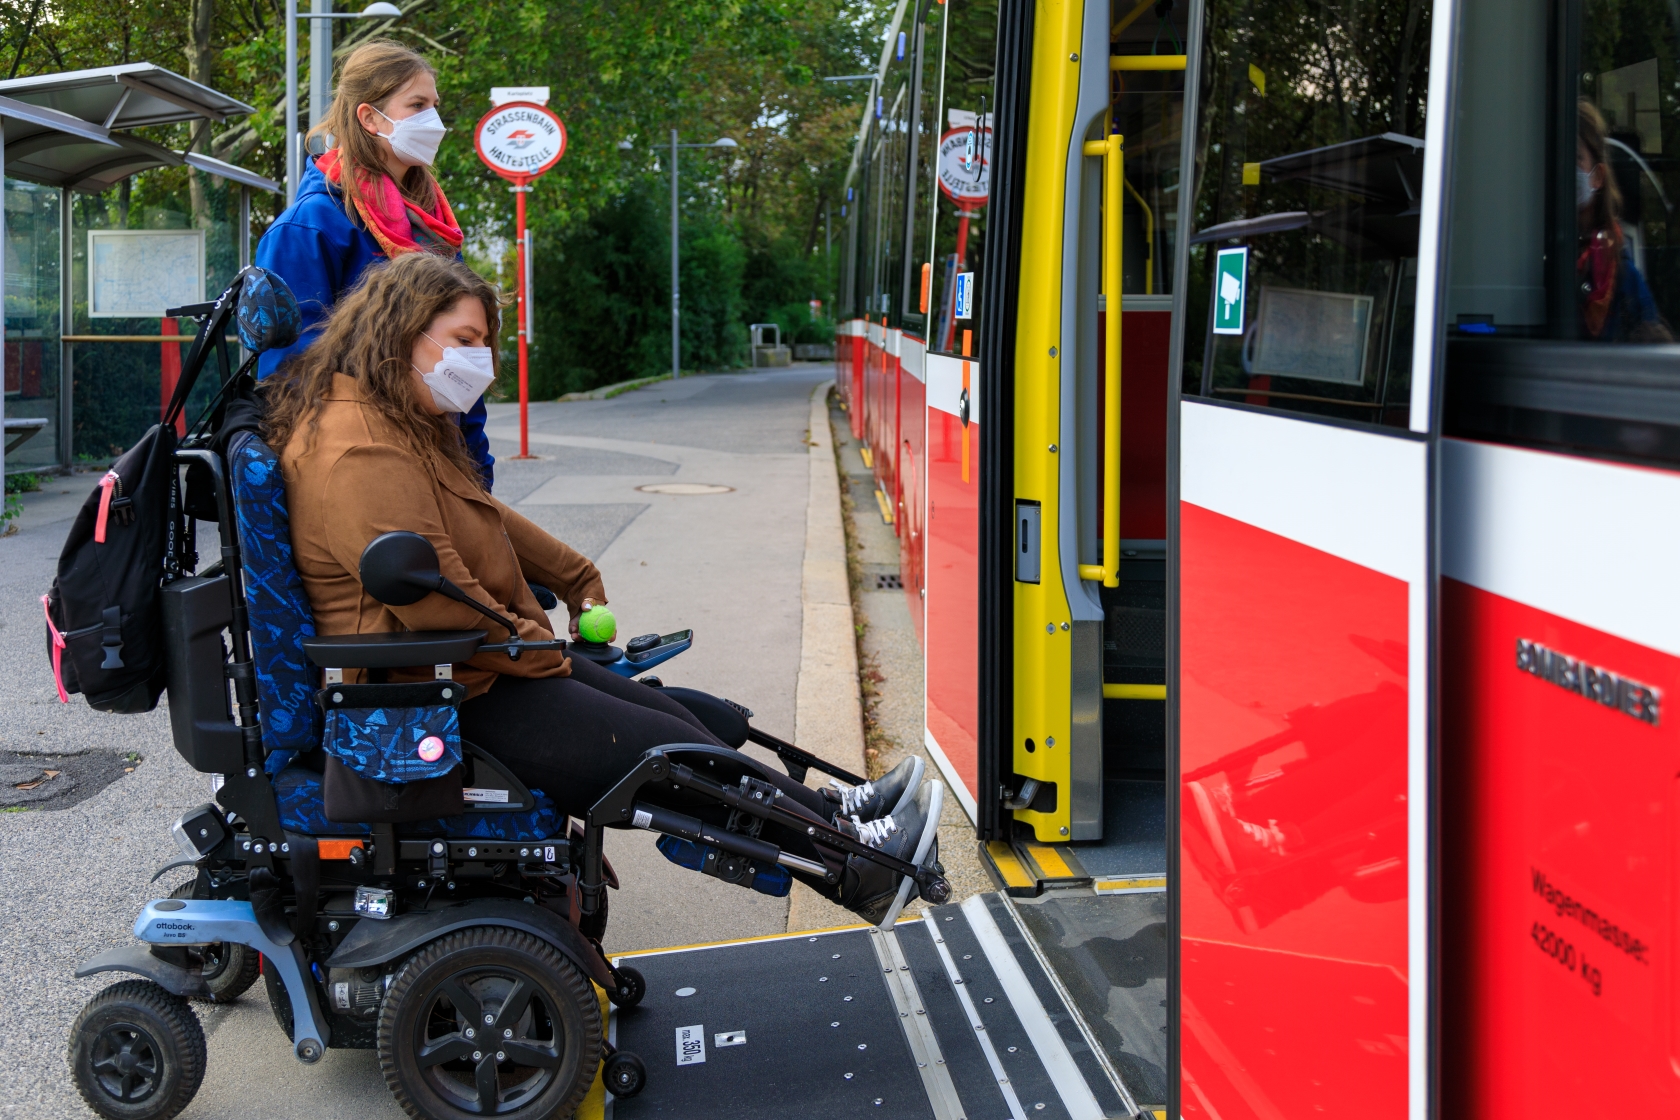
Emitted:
pixel 431 748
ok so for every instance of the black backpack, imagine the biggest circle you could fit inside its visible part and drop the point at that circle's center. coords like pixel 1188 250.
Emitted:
pixel 133 534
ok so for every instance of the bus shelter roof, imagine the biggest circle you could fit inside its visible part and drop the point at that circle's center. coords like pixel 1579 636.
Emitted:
pixel 67 130
pixel 132 95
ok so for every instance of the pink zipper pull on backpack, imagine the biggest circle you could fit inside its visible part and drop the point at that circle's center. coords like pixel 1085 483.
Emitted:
pixel 57 641
pixel 107 484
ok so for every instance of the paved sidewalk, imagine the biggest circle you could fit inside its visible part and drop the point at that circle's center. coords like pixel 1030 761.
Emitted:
pixel 728 565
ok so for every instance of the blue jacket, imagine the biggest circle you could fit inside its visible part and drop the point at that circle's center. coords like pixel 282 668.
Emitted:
pixel 315 248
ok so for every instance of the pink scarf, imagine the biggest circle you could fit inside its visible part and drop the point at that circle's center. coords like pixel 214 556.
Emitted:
pixel 396 223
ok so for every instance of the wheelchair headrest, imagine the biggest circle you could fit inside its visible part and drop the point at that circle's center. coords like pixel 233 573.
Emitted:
pixel 267 312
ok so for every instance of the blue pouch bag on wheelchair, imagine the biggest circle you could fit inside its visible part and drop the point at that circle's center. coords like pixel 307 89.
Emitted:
pixel 393 751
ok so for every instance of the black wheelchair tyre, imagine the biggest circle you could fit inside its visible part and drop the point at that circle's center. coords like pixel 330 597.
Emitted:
pixel 534 1018
pixel 631 988
pixel 137 1052
pixel 228 969
pixel 624 1075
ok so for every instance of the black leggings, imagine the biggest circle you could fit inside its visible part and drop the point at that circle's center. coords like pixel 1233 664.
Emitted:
pixel 575 737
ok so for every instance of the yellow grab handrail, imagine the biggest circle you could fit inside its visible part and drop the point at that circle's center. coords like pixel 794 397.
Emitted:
pixel 1148 240
pixel 1113 151
pixel 1148 61
pixel 1134 692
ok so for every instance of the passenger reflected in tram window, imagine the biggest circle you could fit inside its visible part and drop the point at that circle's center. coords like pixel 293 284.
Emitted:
pixel 1615 301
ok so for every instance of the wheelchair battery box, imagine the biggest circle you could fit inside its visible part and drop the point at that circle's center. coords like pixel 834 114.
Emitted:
pixel 195 612
pixel 393 751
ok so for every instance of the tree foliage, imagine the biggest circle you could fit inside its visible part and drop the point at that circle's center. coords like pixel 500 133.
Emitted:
pixel 618 71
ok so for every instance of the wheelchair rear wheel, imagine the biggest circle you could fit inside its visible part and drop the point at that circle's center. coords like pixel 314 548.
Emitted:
pixel 137 1052
pixel 489 1020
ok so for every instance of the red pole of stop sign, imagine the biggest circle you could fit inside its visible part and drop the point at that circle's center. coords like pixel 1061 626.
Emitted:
pixel 522 308
pixel 520 140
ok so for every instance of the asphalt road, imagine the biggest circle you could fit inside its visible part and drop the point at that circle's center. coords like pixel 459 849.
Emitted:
pixel 725 564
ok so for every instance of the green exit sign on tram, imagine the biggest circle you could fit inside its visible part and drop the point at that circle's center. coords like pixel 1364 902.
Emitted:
pixel 1230 286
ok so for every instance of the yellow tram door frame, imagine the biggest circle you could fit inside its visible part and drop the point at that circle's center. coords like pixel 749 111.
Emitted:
pixel 1058 686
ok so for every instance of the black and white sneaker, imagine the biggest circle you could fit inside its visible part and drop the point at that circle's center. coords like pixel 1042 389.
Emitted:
pixel 874 892
pixel 890 795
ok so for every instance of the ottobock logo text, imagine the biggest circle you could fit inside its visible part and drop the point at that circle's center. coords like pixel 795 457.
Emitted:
pixel 1640 701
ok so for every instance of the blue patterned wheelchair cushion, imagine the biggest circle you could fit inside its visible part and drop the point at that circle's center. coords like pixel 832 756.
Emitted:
pixel 280 615
pixel 298 790
pixel 395 745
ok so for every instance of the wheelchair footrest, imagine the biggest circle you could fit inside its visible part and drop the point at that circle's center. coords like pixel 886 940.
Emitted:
pixel 774 879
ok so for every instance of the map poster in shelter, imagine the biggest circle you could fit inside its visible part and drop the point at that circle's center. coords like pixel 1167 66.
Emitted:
pixel 138 273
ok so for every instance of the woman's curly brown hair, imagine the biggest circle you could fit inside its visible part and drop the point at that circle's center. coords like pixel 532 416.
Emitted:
pixel 370 336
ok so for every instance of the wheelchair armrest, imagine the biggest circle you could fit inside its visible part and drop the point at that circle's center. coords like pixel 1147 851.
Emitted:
pixel 393 651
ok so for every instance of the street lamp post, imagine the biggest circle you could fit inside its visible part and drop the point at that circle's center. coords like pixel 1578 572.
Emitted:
pixel 676 286
pixel 294 162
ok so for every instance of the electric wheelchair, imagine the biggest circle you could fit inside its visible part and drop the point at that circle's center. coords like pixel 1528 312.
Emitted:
pixel 394 886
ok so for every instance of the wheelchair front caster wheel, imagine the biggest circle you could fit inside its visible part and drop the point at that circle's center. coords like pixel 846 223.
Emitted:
pixel 228 968
pixel 137 1052
pixel 624 1074
pixel 631 988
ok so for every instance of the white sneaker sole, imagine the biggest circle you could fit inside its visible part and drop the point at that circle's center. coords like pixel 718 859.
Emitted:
pixel 930 833
pixel 912 787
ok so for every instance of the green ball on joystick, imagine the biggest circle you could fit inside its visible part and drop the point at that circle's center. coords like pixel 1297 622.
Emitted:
pixel 597 624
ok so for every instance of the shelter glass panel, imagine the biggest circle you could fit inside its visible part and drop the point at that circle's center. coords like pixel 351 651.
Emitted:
pixel 32 322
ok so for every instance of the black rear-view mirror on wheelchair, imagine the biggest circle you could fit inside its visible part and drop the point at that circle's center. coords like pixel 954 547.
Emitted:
pixel 400 568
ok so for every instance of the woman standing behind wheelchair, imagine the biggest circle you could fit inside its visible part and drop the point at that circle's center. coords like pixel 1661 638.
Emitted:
pixel 362 422
pixel 372 197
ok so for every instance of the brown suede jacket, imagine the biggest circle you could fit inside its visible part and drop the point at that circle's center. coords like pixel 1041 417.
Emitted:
pixel 349 480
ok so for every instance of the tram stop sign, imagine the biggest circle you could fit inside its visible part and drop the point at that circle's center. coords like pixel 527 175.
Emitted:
pixel 965 164
pixel 1230 286
pixel 520 140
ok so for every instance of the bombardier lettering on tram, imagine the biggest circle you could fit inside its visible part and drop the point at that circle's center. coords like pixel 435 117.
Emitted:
pixel 1313 564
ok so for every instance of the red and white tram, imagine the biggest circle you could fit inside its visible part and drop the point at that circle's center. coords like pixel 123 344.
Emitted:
pixel 1279 408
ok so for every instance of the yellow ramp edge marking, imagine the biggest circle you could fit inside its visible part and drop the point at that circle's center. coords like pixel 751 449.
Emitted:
pixel 1138 884
pixel 788 936
pixel 1134 692
pixel 1008 864
pixel 886 508
pixel 868 457
pixel 1050 862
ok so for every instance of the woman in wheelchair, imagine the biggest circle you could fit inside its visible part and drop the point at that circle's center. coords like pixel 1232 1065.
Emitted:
pixel 367 446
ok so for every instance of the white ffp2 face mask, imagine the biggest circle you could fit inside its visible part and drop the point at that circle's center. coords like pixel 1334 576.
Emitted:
pixel 415 139
pixel 460 376
pixel 1584 189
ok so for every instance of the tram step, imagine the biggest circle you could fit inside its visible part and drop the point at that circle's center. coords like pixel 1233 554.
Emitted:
pixel 950 1015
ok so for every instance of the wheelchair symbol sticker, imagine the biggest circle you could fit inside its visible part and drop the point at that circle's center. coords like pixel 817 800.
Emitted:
pixel 691 1045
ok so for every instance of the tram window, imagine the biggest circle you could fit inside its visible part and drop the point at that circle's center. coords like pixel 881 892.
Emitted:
pixel 1304 220
pixel 1565 239
pixel 923 146
pixel 955 239
pixel 894 172
pixel 1148 110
